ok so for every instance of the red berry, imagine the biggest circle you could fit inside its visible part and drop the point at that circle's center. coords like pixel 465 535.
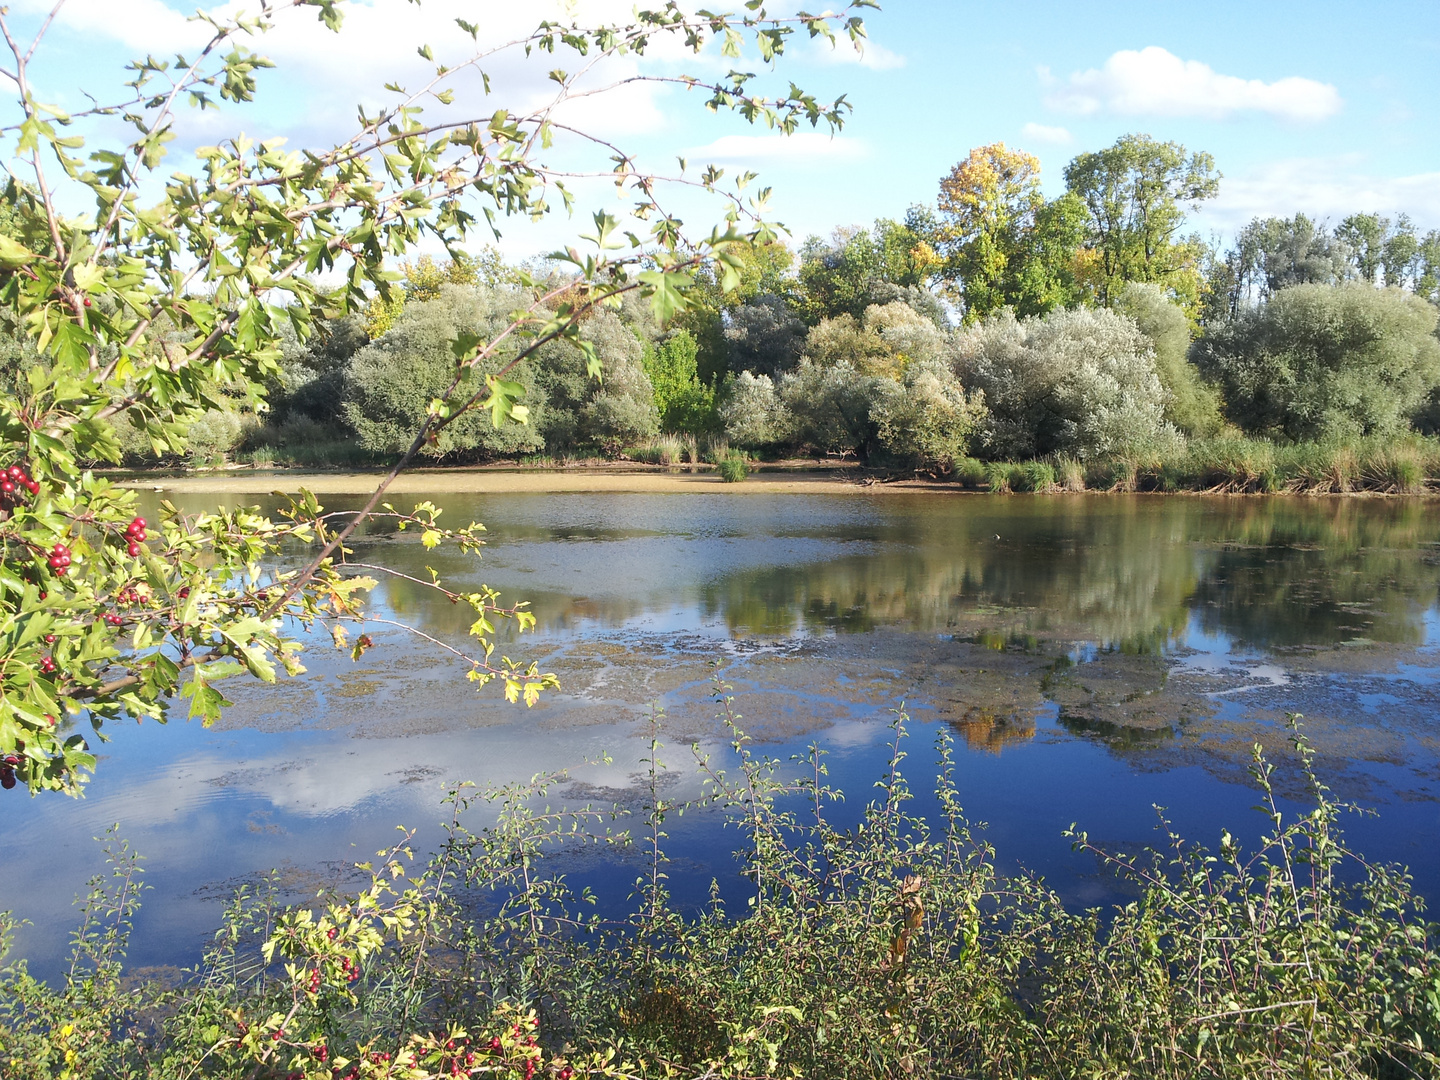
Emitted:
pixel 47 665
pixel 133 548
pixel 33 487
pixel 7 486
pixel 87 301
pixel 49 639
pixel 15 472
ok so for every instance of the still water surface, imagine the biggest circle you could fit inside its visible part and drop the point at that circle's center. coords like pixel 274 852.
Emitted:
pixel 1094 656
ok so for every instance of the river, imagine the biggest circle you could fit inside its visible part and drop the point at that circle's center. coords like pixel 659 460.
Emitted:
pixel 1095 656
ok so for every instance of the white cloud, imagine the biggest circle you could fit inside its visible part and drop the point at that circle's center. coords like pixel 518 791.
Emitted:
pixel 1057 136
pixel 1155 82
pixel 869 54
pixel 1322 188
pixel 799 149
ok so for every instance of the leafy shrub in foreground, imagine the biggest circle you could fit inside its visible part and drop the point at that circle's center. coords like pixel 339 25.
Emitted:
pixel 890 948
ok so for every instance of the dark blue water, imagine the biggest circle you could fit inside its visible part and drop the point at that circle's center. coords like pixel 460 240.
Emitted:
pixel 1093 657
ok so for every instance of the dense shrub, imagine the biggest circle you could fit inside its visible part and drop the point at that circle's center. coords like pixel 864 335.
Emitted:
pixel 831 406
pixel 928 419
pixel 217 433
pixel 893 947
pixel 764 336
pixel 390 383
pixel 752 413
pixel 1191 404
pixel 1323 361
pixel 613 412
pixel 1078 382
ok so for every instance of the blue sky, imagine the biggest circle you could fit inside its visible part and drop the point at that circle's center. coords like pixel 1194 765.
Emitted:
pixel 1317 107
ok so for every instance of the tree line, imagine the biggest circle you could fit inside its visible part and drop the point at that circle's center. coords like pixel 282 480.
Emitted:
pixel 997 323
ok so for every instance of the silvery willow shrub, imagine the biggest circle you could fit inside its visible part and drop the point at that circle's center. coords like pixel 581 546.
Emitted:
pixel 928 419
pixel 1191 404
pixel 582 410
pixel 831 405
pixel 883 342
pixel 752 413
pixel 390 383
pixel 1326 361
pixel 763 336
pixel 1078 382
pixel 620 408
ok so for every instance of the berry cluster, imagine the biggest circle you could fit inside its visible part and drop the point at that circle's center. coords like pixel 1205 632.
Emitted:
pixel 135 536
pixel 13 481
pixel 60 560
pixel 7 771
pixel 47 665
pixel 348 967
pixel 113 619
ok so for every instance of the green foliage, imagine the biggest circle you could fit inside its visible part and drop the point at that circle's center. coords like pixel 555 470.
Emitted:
pixel 753 414
pixel 583 411
pixel 683 402
pixel 1326 362
pixel 733 467
pixel 894 947
pixel 764 337
pixel 1135 191
pixel 390 384
pixel 181 294
pixel 1191 404
pixel 848 274
pixel 928 419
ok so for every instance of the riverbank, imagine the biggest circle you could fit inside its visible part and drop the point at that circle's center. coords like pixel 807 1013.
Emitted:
pixel 626 478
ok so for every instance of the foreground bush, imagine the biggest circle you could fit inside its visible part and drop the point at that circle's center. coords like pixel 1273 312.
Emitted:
pixel 890 948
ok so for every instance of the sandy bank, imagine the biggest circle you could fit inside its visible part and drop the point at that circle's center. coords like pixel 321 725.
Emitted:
pixel 521 481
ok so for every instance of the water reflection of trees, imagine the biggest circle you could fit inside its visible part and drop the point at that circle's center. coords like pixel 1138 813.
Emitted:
pixel 1125 572
pixel 1323 571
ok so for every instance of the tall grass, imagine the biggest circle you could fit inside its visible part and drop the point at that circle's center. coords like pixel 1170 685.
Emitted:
pixel 1232 463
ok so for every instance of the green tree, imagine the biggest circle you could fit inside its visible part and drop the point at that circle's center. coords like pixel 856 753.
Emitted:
pixel 1191 404
pixel 683 402
pixel 390 383
pixel 1136 191
pixel 168 301
pixel 851 271
pixel 1003 243
pixel 1326 361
